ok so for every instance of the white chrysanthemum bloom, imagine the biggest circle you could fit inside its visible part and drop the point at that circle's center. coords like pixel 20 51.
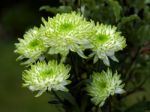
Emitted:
pixel 31 46
pixel 67 32
pixel 106 41
pixel 42 77
pixel 103 85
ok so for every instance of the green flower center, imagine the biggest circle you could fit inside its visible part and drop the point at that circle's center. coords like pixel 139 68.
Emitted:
pixel 103 85
pixel 34 43
pixel 47 73
pixel 102 38
pixel 66 26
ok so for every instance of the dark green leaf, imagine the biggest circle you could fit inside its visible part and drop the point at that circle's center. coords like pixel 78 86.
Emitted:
pixel 139 107
pixel 144 32
pixel 60 9
pixel 116 8
pixel 125 20
pixel 66 96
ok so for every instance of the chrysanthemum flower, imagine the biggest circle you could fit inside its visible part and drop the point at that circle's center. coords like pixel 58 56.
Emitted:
pixel 32 46
pixel 103 85
pixel 106 41
pixel 67 32
pixel 42 77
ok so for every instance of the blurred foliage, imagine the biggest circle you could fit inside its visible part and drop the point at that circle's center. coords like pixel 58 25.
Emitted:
pixel 13 97
pixel 13 24
pixel 139 107
pixel 132 17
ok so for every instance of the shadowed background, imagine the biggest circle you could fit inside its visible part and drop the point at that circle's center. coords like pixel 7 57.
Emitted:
pixel 17 16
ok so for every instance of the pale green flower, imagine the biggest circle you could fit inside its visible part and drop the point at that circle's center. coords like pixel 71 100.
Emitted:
pixel 106 41
pixel 42 77
pixel 31 46
pixel 103 85
pixel 67 32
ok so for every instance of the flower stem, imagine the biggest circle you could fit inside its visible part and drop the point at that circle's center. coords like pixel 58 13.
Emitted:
pixel 109 105
pixel 99 109
pixel 59 99
pixel 128 73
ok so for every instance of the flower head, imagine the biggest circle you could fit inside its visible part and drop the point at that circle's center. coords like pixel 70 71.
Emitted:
pixel 42 77
pixel 106 41
pixel 32 46
pixel 103 85
pixel 67 32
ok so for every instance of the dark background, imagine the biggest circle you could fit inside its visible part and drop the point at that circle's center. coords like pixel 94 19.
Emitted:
pixel 17 16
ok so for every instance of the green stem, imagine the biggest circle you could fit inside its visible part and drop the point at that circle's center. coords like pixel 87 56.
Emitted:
pixel 134 59
pixel 137 88
pixel 79 5
pixel 59 99
pixel 99 109
pixel 74 63
pixel 109 105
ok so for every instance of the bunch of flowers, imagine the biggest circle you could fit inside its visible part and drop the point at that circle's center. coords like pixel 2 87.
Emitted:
pixel 64 33
pixel 71 32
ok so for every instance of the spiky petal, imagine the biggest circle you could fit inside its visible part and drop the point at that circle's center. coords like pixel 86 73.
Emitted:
pixel 103 85
pixel 106 41
pixel 42 77
pixel 67 32
pixel 31 46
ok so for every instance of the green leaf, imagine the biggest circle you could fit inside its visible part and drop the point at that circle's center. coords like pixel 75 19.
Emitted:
pixel 48 9
pixel 125 20
pixel 66 96
pixel 60 9
pixel 139 107
pixel 147 1
pixel 144 32
pixel 116 8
